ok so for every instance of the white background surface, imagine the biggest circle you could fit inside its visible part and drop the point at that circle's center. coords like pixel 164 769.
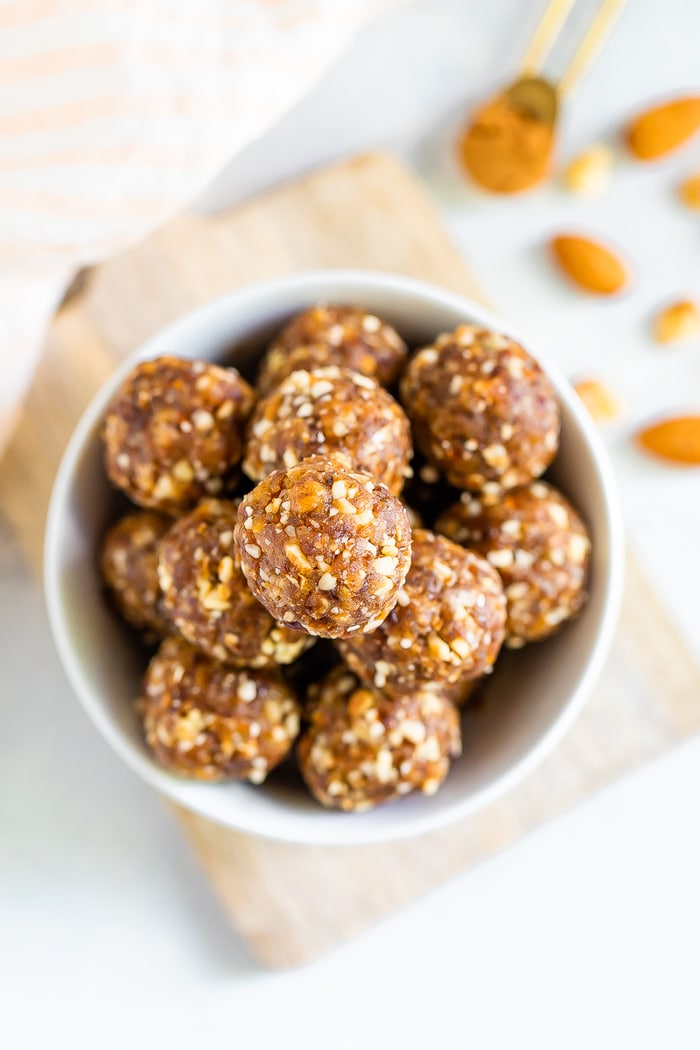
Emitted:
pixel 584 935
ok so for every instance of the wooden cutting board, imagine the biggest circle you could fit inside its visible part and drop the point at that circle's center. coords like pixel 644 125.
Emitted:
pixel 290 903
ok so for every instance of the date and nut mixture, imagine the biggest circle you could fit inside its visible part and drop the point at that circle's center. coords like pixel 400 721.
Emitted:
pixel 324 548
pixel 483 411
pixel 174 433
pixel 362 749
pixel 214 722
pixel 347 336
pixel 207 596
pixel 540 547
pixel 129 567
pixel 330 410
pixel 447 625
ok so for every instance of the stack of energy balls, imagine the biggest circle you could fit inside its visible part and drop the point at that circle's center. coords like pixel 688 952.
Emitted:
pixel 290 516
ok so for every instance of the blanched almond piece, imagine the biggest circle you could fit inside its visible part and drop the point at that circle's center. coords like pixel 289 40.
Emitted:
pixel 590 265
pixel 598 399
pixel 689 192
pixel 677 323
pixel 589 173
pixel 676 440
pixel 659 130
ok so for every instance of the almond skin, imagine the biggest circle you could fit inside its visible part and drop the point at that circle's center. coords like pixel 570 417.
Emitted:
pixel 660 130
pixel 590 265
pixel 676 440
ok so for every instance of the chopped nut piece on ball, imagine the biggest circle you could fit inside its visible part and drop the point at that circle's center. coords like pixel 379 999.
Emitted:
pixel 446 627
pixel 174 432
pixel 483 411
pixel 213 722
pixel 129 564
pixel 323 548
pixel 362 749
pixel 330 410
pixel 208 598
pixel 334 335
pixel 539 545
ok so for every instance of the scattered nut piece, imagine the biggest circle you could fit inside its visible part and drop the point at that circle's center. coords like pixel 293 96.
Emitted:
pixel 598 399
pixel 676 440
pixel 588 174
pixel 689 192
pixel 677 323
pixel 664 128
pixel 590 265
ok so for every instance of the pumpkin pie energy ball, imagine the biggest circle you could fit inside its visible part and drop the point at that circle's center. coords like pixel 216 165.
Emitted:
pixel 325 411
pixel 362 749
pixel 483 411
pixel 334 335
pixel 213 722
pixel 208 598
pixel 129 565
pixel 541 548
pixel 324 548
pixel 174 432
pixel 446 627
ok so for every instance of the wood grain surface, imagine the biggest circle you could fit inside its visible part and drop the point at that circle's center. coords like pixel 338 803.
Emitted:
pixel 291 903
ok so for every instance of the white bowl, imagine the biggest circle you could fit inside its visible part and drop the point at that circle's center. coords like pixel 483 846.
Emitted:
pixel 535 695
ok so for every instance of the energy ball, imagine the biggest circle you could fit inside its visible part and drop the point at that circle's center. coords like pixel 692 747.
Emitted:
pixel 213 722
pixel 174 432
pixel 334 335
pixel 330 410
pixel 362 749
pixel 447 626
pixel 208 598
pixel 129 566
pixel 541 548
pixel 483 411
pixel 323 548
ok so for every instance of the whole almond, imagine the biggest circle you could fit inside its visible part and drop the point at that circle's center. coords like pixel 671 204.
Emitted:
pixel 598 399
pixel 590 265
pixel 677 323
pixel 676 440
pixel 689 192
pixel 660 130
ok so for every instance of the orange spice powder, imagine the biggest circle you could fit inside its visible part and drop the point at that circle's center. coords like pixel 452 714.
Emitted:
pixel 504 149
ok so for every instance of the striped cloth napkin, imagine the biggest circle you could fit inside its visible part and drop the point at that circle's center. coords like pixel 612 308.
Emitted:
pixel 115 113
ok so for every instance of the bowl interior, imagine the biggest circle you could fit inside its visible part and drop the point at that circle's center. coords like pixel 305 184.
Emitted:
pixel 530 701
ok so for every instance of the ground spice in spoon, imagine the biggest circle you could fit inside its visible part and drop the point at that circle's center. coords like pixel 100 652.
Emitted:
pixel 505 149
